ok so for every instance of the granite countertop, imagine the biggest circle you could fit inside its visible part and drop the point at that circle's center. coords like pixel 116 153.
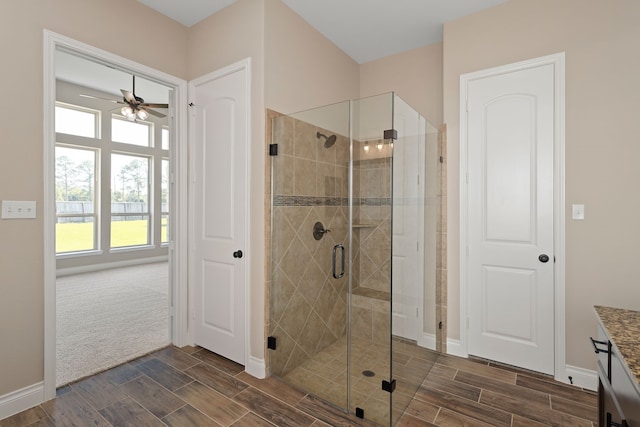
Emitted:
pixel 623 327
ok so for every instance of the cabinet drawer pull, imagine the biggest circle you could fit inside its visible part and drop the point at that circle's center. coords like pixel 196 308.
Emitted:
pixel 595 346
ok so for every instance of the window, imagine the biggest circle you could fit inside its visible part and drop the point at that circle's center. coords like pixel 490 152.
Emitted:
pixel 165 138
pixel 164 235
pixel 133 211
pixel 130 215
pixel 136 133
pixel 76 219
pixel 74 120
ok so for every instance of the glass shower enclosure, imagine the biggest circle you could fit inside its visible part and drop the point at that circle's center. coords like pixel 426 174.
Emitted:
pixel 352 317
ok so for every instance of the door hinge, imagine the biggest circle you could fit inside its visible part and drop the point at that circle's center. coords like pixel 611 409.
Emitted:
pixel 271 343
pixel 389 386
pixel 440 324
pixel 441 159
pixel 390 134
pixel 360 413
pixel 273 149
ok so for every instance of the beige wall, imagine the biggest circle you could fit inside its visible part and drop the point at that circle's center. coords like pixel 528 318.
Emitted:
pixel 602 145
pixel 303 69
pixel 100 24
pixel 415 75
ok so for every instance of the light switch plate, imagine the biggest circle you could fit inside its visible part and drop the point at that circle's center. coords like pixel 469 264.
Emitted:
pixel 13 209
pixel 577 212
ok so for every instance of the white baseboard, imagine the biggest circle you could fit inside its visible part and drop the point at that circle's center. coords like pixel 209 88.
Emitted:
pixel 454 347
pixel 580 377
pixel 20 400
pixel 427 341
pixel 256 367
pixel 105 266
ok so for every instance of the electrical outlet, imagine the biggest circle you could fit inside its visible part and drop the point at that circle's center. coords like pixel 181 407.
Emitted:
pixel 12 209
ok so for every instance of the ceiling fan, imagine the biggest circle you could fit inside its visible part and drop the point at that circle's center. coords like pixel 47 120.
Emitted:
pixel 134 106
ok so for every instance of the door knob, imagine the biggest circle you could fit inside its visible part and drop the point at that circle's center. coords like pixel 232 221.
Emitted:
pixel 543 258
pixel 237 254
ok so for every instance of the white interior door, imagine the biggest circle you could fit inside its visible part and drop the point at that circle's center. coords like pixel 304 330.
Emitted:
pixel 510 146
pixel 221 139
pixel 408 209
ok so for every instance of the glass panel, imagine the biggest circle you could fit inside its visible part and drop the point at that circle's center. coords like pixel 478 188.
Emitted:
pixel 129 230
pixel 76 121
pixel 75 234
pixel 308 306
pixel 413 278
pixel 371 269
pixel 164 232
pixel 75 172
pixel 129 199
pixel 165 201
pixel 165 138
pixel 135 133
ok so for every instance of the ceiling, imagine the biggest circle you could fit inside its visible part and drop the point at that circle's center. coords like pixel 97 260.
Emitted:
pixel 364 29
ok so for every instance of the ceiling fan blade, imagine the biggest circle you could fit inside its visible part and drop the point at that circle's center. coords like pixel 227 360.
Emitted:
pixel 155 113
pixel 131 99
pixel 103 99
pixel 152 105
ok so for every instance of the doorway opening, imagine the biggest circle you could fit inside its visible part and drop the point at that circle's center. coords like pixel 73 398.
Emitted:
pixel 114 194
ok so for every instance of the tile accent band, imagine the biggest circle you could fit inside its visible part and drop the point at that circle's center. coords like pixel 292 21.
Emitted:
pixel 279 200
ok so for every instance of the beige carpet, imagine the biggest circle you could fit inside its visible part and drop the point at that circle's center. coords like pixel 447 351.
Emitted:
pixel 108 317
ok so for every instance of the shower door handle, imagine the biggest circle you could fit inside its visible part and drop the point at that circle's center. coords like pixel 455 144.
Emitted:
pixel 337 275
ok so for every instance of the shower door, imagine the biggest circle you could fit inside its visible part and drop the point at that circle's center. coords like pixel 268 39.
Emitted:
pixel 308 292
pixel 349 289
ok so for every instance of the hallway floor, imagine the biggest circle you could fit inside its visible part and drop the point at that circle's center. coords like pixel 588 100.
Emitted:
pixel 193 387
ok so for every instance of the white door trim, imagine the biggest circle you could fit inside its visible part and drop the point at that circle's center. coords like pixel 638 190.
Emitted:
pixel 558 61
pixel 178 244
pixel 252 365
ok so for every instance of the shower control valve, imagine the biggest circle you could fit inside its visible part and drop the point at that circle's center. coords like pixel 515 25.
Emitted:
pixel 319 230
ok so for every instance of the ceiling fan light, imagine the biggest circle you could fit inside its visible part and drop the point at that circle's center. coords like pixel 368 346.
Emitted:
pixel 126 111
pixel 142 114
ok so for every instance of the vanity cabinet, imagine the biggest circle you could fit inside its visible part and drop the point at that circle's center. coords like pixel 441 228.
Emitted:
pixel 618 349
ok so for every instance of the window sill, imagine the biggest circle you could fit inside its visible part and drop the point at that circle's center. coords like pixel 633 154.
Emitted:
pixel 78 254
pixel 133 249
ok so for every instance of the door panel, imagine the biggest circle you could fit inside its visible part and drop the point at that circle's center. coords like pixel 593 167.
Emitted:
pixel 218 301
pixel 510 310
pixel 220 192
pixel 510 142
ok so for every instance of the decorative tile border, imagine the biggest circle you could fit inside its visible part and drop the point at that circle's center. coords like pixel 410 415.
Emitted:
pixel 280 200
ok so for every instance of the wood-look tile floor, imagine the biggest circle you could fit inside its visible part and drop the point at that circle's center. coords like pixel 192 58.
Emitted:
pixel 193 387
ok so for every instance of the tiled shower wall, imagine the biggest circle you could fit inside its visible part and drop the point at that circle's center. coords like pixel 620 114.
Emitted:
pixel 310 184
pixel 371 304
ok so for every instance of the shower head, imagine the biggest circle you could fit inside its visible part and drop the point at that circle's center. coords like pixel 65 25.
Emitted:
pixel 329 140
